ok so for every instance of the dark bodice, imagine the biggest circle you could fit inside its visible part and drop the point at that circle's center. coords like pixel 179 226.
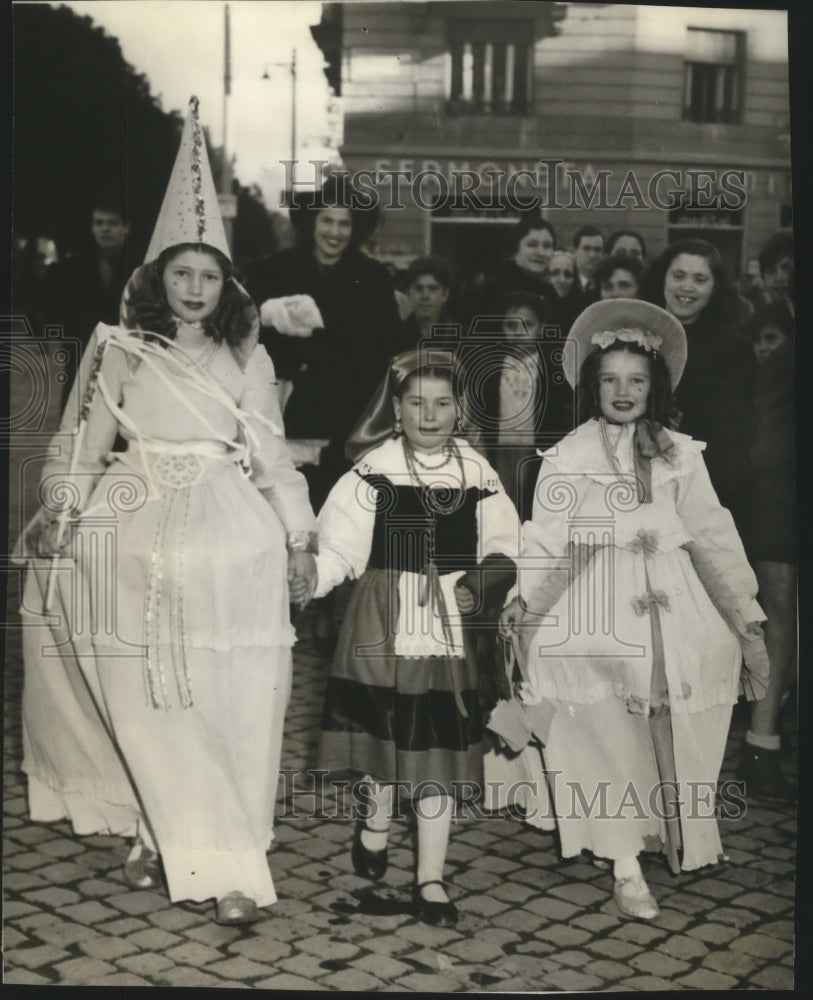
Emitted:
pixel 414 525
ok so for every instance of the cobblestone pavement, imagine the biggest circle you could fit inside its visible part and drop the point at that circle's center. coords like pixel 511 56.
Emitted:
pixel 528 922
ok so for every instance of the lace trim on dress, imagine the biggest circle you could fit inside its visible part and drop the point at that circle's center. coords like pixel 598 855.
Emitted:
pixel 178 466
pixel 388 460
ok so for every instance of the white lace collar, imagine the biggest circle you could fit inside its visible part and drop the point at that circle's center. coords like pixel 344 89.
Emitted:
pixel 388 460
pixel 581 453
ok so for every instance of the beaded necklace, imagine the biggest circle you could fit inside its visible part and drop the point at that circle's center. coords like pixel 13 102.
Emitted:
pixel 609 454
pixel 448 499
pixel 186 364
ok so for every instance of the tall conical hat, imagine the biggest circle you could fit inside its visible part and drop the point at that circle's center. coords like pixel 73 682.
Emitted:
pixel 190 212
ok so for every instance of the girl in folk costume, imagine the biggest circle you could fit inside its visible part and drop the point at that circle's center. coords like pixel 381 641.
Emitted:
pixel 187 641
pixel 636 605
pixel 423 520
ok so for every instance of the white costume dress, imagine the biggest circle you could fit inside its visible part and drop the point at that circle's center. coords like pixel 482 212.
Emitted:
pixel 627 630
pixel 402 698
pixel 173 619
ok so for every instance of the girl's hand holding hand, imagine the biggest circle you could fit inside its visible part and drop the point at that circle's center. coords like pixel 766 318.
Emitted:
pixel 302 577
pixel 516 620
pixel 511 615
pixel 465 599
pixel 48 544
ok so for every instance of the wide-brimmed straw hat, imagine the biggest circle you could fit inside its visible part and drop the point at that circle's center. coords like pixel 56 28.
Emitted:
pixel 625 320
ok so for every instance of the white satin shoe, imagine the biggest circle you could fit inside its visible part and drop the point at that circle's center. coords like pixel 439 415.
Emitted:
pixel 634 898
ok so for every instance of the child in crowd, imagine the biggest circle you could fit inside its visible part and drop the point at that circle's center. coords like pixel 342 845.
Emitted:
pixel 519 400
pixel 424 523
pixel 636 604
pixel 772 544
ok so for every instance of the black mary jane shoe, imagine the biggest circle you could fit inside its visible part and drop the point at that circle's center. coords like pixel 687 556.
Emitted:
pixel 764 781
pixel 436 914
pixel 367 863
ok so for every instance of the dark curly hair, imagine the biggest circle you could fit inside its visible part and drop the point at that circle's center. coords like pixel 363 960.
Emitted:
pixel 149 310
pixel 779 246
pixel 607 267
pixel 723 309
pixel 517 300
pixel 439 268
pixel 526 224
pixel 609 247
pixel 660 405
pixel 771 315
pixel 338 191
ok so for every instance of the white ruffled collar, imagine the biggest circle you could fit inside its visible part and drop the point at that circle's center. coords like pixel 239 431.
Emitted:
pixel 388 460
pixel 581 453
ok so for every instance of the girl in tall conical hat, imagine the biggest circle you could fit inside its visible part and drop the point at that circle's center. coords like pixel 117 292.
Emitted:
pixel 187 646
pixel 636 607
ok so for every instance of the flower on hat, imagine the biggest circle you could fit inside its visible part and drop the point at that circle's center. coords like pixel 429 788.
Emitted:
pixel 629 335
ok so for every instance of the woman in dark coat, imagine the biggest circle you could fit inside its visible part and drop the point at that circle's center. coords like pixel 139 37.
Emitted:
pixel 332 360
pixel 334 367
pixel 771 546
pixel 690 281
pixel 530 246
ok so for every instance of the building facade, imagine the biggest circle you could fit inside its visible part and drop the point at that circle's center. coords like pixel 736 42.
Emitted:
pixel 671 121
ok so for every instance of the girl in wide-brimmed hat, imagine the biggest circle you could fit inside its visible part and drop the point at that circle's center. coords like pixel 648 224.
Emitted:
pixel 636 605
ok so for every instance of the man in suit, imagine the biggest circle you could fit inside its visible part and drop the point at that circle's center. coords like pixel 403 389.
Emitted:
pixel 91 282
pixel 588 249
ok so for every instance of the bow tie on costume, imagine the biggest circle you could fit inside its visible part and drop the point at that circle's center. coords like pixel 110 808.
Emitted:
pixel 643 604
pixel 650 440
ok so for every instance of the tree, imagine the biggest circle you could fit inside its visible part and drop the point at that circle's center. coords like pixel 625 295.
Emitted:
pixel 84 122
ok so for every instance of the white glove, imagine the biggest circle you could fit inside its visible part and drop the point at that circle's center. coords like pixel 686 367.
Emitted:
pixel 292 315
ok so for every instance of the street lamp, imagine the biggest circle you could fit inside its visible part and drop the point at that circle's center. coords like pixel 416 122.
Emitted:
pixel 291 66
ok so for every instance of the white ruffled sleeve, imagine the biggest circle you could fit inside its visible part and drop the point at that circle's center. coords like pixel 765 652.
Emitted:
pixel 500 531
pixel 60 487
pixel 272 467
pixel 346 523
pixel 712 529
pixel 260 391
pixel 545 537
pixel 99 433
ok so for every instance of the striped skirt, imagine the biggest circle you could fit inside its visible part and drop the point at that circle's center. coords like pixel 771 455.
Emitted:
pixel 398 718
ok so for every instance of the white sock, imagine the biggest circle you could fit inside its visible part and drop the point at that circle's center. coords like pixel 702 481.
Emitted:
pixel 145 837
pixel 763 741
pixel 377 825
pixel 434 814
pixel 627 867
